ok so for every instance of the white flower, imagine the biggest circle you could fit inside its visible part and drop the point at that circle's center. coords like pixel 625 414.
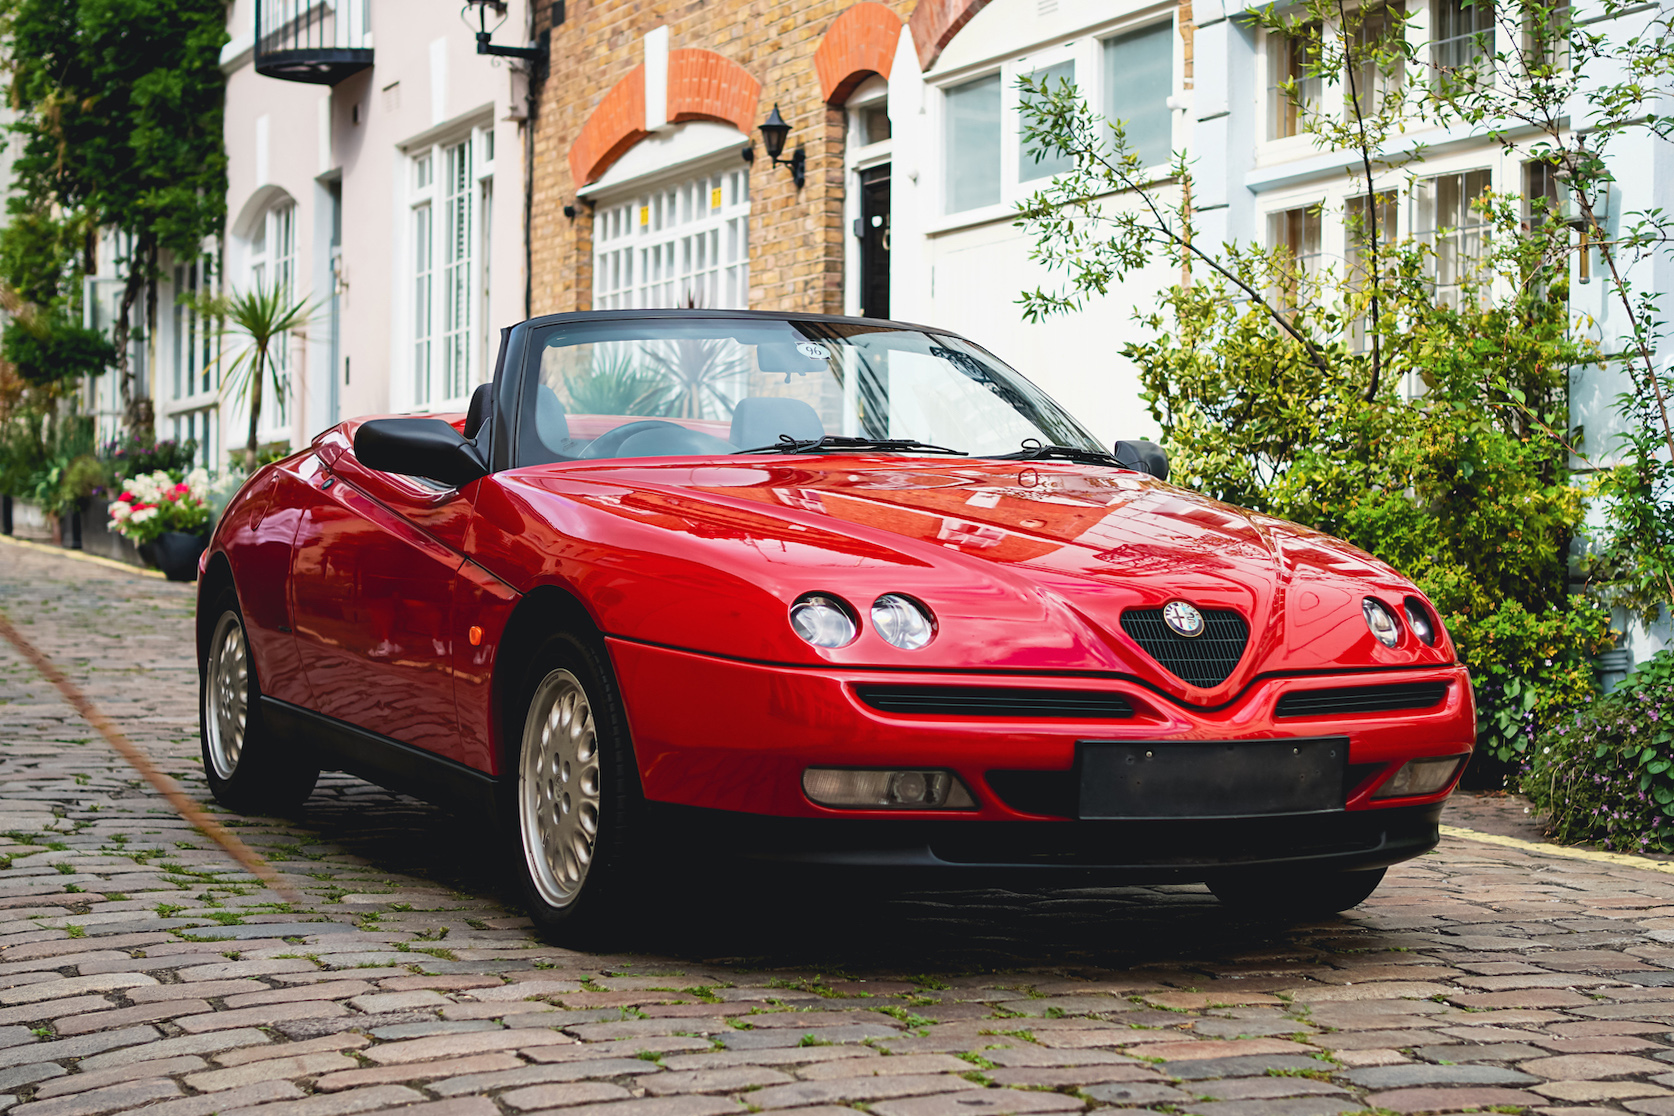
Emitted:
pixel 120 511
pixel 143 515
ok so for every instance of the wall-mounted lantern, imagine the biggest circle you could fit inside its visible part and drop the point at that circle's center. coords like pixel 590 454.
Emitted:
pixel 485 34
pixel 774 132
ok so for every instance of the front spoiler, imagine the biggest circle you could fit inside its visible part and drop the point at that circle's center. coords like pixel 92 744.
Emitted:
pixel 1180 850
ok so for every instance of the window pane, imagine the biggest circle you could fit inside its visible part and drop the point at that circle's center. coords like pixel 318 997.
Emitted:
pixel 1138 80
pixel 1027 168
pixel 973 144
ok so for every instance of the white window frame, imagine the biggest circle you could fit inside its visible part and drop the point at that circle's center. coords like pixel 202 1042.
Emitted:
pixel 444 354
pixel 644 258
pixel 1086 50
pixel 860 156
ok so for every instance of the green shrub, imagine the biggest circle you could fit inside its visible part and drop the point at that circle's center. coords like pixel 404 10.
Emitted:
pixel 1606 774
pixel 128 456
pixel 49 349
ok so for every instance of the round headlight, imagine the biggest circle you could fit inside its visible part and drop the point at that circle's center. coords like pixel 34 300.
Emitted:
pixel 1382 622
pixel 902 621
pixel 823 621
pixel 1419 617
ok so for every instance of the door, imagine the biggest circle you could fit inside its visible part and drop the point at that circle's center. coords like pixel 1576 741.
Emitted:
pixel 372 578
pixel 874 242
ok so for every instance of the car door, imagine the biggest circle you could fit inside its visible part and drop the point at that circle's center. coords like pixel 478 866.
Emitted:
pixel 373 582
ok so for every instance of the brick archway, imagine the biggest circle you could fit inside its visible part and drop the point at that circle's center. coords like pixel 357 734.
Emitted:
pixel 859 42
pixel 934 23
pixel 702 85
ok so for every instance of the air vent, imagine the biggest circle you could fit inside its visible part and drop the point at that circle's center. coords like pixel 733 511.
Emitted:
pixel 1009 703
pixel 1205 660
pixel 1361 699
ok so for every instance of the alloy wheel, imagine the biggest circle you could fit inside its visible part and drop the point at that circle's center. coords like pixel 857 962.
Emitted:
pixel 226 689
pixel 558 788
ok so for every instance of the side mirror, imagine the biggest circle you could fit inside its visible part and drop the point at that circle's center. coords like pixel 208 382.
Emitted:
pixel 1143 457
pixel 419 447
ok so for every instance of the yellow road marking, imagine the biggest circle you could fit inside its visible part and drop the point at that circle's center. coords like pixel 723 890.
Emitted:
pixel 163 783
pixel 81 556
pixel 1626 860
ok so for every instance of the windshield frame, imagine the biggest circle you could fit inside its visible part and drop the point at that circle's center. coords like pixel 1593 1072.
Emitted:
pixel 521 374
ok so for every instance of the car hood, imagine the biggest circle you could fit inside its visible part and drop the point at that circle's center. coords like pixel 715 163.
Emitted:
pixel 1027 566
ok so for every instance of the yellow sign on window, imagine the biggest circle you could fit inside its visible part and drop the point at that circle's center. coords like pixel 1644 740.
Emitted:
pixel 715 198
pixel 644 215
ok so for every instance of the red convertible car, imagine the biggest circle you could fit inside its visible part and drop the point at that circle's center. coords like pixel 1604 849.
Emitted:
pixel 818 589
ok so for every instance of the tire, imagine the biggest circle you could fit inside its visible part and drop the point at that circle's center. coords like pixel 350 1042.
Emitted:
pixel 571 800
pixel 1297 895
pixel 250 768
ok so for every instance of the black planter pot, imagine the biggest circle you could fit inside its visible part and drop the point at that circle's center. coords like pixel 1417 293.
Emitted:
pixel 175 553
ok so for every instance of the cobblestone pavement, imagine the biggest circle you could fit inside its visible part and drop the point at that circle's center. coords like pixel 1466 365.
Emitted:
pixel 142 968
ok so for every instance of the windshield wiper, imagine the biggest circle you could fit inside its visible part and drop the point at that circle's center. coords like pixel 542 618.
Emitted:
pixel 787 444
pixel 1038 451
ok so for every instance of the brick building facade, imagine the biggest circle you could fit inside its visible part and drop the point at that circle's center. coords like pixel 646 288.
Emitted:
pixel 727 62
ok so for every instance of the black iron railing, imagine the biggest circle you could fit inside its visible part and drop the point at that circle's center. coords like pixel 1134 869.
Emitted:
pixel 316 41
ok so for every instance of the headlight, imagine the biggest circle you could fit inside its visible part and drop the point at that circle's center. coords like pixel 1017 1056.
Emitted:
pixel 823 621
pixel 902 621
pixel 1419 617
pixel 1420 776
pixel 1382 622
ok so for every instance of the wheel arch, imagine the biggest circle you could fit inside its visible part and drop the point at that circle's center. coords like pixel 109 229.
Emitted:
pixel 543 610
pixel 217 577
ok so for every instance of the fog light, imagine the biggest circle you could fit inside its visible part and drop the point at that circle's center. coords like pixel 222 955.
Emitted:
pixel 886 790
pixel 1420 776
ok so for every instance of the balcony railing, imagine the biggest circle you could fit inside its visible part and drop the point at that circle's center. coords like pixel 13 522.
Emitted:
pixel 317 41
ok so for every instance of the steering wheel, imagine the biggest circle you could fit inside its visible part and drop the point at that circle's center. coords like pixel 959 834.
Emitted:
pixel 608 443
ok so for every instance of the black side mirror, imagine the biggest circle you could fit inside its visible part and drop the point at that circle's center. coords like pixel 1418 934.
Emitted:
pixel 419 447
pixel 1143 457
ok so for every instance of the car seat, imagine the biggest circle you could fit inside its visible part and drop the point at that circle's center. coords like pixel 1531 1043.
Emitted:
pixel 760 420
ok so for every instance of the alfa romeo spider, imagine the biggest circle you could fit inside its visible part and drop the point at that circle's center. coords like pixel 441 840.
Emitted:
pixel 818 590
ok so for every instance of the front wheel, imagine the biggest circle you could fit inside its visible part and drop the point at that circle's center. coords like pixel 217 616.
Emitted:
pixel 248 767
pixel 1296 894
pixel 573 792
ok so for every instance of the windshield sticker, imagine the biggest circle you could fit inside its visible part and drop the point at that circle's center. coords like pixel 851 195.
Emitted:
pixel 813 351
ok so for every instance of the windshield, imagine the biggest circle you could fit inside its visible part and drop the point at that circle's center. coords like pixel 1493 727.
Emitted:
pixel 657 387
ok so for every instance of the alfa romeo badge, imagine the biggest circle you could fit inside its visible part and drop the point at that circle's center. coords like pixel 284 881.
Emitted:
pixel 1183 619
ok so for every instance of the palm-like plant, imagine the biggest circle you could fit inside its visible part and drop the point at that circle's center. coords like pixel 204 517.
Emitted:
pixel 263 315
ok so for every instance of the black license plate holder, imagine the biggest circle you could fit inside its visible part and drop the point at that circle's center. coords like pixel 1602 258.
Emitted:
pixel 1122 779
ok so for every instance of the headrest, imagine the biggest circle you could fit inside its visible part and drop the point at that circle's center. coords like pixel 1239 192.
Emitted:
pixel 551 427
pixel 759 420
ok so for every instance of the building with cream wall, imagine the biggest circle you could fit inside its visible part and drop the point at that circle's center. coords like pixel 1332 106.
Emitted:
pixel 387 185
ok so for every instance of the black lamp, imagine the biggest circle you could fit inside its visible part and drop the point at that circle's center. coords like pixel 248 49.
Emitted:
pixel 774 132
pixel 485 33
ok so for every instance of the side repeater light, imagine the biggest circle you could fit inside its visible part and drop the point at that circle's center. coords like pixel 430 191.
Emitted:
pixel 886 790
pixel 1420 776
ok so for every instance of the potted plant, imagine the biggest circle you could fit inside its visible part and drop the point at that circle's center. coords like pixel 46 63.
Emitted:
pixel 169 518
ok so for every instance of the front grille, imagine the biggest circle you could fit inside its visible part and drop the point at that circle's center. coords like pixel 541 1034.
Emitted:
pixel 1361 699
pixel 1205 660
pixel 1009 702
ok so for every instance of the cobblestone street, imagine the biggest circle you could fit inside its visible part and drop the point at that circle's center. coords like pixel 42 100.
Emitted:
pixel 142 968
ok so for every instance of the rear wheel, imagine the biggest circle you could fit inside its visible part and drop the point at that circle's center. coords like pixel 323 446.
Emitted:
pixel 248 767
pixel 1302 894
pixel 573 792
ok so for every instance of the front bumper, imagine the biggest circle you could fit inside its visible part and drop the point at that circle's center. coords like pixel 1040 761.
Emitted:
pixel 731 736
pixel 1102 851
